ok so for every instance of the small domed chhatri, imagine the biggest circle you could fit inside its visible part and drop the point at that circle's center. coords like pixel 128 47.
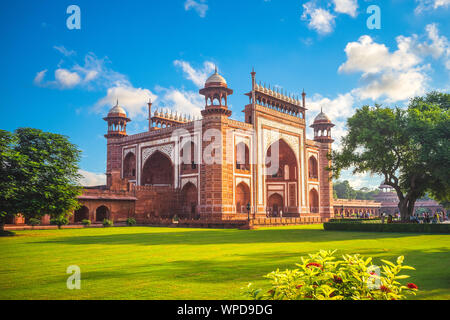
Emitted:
pixel 117 122
pixel 117 111
pixel 322 128
pixel 216 80
pixel 322 117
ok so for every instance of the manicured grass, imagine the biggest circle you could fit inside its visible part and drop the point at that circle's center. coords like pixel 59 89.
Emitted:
pixel 175 263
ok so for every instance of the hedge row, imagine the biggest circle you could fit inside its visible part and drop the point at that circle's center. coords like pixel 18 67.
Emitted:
pixel 388 227
pixel 355 220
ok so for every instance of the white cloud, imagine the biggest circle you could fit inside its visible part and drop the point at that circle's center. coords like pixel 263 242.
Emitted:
pixel 198 77
pixel 397 75
pixel 67 79
pixel 396 86
pixel 340 107
pixel 370 57
pixel 181 101
pixel 64 51
pixel 361 180
pixel 93 74
pixel 39 77
pixel 427 5
pixel 90 179
pixel 338 110
pixel 439 46
pixel 133 100
pixel 96 73
pixel 320 20
pixel 349 7
pixel 199 6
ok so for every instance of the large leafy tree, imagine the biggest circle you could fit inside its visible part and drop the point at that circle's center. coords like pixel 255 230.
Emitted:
pixel 409 147
pixel 40 173
pixel 10 174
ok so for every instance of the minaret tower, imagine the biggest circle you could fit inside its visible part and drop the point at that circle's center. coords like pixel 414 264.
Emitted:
pixel 322 134
pixel 215 172
pixel 216 94
pixel 117 128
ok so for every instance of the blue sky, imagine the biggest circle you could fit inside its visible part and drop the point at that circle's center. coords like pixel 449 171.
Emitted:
pixel 64 81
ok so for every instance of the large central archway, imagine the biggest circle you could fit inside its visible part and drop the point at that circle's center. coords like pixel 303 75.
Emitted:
pixel 282 174
pixel 158 170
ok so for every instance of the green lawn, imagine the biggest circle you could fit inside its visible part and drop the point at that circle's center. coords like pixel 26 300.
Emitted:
pixel 175 263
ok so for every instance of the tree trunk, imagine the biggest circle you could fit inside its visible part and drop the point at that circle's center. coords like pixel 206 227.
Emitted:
pixel 406 208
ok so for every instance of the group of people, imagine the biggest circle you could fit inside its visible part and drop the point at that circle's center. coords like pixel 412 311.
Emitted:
pixel 426 217
pixel 437 217
pixel 361 215
pixel 276 213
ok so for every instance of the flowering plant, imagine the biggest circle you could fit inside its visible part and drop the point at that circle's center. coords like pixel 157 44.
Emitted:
pixel 322 277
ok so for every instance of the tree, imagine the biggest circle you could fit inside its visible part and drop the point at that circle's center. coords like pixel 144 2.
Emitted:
pixel 344 190
pixel 409 148
pixel 40 170
pixel 10 162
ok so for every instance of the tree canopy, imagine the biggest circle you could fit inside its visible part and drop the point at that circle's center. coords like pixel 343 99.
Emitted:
pixel 409 147
pixel 38 174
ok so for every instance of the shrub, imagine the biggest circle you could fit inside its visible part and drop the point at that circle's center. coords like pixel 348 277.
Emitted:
pixel 60 221
pixel 86 222
pixel 355 220
pixel 34 222
pixel 108 223
pixel 391 227
pixel 322 277
pixel 131 221
pixel 6 233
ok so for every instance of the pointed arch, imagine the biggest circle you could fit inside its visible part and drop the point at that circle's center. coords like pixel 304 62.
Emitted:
pixel 189 199
pixel 242 197
pixel 101 213
pixel 188 157
pixel 275 204
pixel 129 166
pixel 313 201
pixel 242 153
pixel 81 214
pixel 313 168
pixel 157 170
pixel 283 167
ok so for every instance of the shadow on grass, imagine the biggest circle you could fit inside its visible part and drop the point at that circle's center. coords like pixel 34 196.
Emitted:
pixel 430 274
pixel 208 237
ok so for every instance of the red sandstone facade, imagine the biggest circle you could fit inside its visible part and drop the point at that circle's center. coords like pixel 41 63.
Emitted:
pixel 216 168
